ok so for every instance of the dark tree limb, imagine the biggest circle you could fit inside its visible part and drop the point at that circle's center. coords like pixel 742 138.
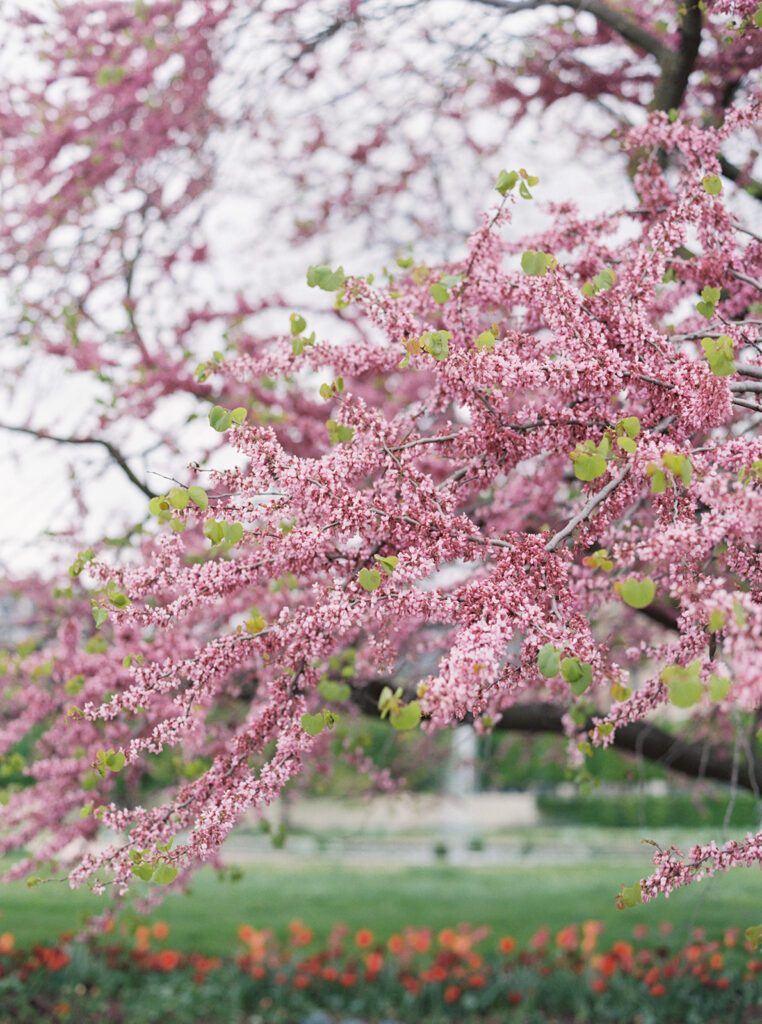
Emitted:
pixel 750 185
pixel 625 27
pixel 676 65
pixel 696 759
pixel 112 450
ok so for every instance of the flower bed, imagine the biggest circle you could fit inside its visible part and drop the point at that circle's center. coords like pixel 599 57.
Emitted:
pixel 461 974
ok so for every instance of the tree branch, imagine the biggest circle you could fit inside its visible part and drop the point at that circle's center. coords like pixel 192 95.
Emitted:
pixel 696 758
pixel 629 30
pixel 113 451
pixel 676 66
pixel 692 758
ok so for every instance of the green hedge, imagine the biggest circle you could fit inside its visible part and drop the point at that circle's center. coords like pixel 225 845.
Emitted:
pixel 674 810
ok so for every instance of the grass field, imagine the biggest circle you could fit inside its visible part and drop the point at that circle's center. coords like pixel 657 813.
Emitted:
pixel 512 900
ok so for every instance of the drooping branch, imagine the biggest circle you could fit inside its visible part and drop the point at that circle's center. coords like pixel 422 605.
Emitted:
pixel 112 450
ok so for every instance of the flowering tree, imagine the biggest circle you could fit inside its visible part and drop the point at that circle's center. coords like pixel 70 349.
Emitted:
pixel 520 486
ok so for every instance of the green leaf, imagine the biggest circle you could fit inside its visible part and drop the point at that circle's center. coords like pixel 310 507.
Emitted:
pixel 325 392
pixel 588 465
pixel 716 621
pixel 658 482
pixel 321 276
pixel 100 615
pixel 86 811
pixel 757 19
pixel 407 717
pixel 239 415
pixel 214 531
pixel 548 661
pixel 630 425
pixel 506 180
pixel 339 433
pixel 115 760
pixel 233 532
pixel 535 264
pixel 199 497
pixel 604 280
pixel 627 444
pixel 579 674
pixel 144 871
pixel 719 687
pixel 632 895
pixel 711 294
pixel 220 419
pixel 405 262
pixel 636 593
pixel 588 289
pixel 313 724
pixel 706 309
pixel 331 690
pixel 712 184
pixel 157 505
pixel 436 343
pixel 683 683
pixel 164 874
pixel 389 562
pixel 369 579
pixel 74 685
pixel 719 355
pixel 298 324
pixel 178 498
pixel 439 293
pixel 486 340
pixel 571 669
pixel 620 693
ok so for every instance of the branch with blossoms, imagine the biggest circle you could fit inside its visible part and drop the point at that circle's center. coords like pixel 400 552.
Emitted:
pixel 521 452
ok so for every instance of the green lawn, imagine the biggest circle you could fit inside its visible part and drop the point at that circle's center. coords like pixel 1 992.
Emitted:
pixel 513 900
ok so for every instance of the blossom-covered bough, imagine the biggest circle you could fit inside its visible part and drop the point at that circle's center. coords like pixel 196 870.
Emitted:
pixel 521 488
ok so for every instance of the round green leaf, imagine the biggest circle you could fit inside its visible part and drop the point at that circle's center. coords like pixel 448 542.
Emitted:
pixel 369 579
pixel 719 687
pixel 298 323
pixel 407 717
pixel 571 669
pixel 178 498
pixel 164 874
pixel 233 532
pixel 684 683
pixel 199 497
pixel 712 184
pixel 589 465
pixel 313 724
pixel 214 531
pixel 548 661
pixel 636 593
pixel 220 419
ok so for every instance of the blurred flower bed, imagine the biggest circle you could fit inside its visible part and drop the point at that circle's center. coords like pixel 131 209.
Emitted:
pixel 460 974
